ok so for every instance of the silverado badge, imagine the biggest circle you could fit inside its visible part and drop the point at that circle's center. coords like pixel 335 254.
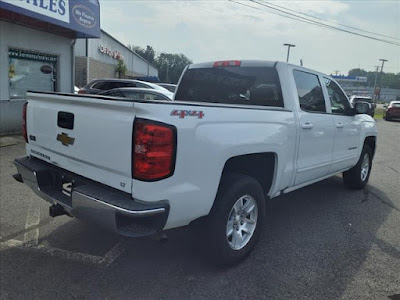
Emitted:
pixel 65 139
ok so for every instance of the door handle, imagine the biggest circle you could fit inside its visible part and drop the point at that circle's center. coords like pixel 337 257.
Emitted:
pixel 339 125
pixel 307 125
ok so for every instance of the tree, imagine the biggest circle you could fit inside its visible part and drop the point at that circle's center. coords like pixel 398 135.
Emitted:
pixel 388 80
pixel 121 68
pixel 149 53
pixel 170 66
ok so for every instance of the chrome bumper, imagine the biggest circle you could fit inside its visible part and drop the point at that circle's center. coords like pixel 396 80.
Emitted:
pixel 91 201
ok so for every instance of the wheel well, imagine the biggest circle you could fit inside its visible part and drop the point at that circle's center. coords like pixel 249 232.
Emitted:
pixel 371 142
pixel 260 166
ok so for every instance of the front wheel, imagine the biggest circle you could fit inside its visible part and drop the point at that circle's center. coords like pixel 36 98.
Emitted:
pixel 237 218
pixel 358 176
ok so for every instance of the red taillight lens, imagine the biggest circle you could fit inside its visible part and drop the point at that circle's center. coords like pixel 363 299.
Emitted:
pixel 24 131
pixel 154 148
pixel 227 63
pixel 81 92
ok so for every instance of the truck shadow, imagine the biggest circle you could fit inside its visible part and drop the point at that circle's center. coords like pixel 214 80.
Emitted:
pixel 314 242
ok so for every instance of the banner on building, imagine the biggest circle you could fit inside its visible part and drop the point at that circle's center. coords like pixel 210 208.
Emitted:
pixel 81 16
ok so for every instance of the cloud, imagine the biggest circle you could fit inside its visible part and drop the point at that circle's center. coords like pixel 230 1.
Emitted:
pixel 208 30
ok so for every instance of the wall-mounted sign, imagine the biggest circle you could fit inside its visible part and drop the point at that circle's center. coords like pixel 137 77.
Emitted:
pixel 16 53
pixel 46 69
pixel 84 16
pixel 58 10
pixel 350 78
pixel 81 16
pixel 112 53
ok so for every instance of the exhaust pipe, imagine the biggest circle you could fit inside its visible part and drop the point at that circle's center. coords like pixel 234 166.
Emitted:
pixel 57 210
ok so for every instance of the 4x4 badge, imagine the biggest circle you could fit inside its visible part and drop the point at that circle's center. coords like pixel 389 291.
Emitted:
pixel 65 139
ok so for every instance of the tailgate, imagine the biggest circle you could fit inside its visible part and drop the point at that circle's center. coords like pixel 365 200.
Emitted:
pixel 89 136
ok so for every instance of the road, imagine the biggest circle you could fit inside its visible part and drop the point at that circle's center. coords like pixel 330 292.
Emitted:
pixel 321 242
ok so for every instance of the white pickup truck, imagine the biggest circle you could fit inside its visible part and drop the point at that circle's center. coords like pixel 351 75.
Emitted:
pixel 238 133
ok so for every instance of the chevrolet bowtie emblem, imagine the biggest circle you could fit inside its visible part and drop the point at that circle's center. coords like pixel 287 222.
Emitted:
pixel 65 139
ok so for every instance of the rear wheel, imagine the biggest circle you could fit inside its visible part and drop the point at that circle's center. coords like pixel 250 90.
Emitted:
pixel 357 177
pixel 237 218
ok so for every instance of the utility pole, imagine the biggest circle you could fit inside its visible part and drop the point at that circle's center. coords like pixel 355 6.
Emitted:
pixel 380 78
pixel 288 50
pixel 376 76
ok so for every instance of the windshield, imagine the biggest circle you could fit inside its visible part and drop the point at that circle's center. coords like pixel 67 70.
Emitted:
pixel 231 85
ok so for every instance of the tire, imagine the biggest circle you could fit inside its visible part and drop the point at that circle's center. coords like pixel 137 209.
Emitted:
pixel 387 118
pixel 229 241
pixel 358 176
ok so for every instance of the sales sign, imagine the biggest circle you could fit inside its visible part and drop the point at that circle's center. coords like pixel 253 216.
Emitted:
pixel 80 16
pixel 54 9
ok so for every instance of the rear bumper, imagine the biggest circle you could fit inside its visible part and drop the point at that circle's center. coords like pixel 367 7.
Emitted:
pixel 393 114
pixel 91 201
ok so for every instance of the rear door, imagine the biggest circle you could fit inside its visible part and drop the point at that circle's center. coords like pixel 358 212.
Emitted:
pixel 88 136
pixel 347 128
pixel 316 129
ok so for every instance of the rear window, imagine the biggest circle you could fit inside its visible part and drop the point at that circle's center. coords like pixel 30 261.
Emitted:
pixel 369 100
pixel 395 104
pixel 231 85
pixel 105 85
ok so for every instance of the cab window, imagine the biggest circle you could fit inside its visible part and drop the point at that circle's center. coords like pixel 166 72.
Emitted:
pixel 339 103
pixel 309 91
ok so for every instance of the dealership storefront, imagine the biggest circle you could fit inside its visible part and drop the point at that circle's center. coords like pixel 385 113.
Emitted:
pixel 98 58
pixel 37 49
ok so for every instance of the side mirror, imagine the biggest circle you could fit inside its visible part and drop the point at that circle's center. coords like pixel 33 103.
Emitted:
pixel 362 107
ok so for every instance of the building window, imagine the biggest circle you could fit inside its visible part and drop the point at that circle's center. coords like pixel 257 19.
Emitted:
pixel 31 71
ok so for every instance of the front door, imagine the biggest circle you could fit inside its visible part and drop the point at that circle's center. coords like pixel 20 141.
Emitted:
pixel 347 129
pixel 316 129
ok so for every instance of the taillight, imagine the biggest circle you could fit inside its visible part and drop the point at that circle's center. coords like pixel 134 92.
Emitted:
pixel 227 63
pixel 81 91
pixel 24 130
pixel 153 150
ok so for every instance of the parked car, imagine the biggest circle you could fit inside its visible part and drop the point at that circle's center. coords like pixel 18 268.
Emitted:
pixel 392 111
pixel 139 94
pixel 99 85
pixel 169 86
pixel 371 111
pixel 237 134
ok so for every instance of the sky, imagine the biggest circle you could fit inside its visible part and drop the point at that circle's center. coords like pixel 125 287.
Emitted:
pixel 213 30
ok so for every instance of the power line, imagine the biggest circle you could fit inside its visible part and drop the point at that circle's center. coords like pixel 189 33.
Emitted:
pixel 325 20
pixel 292 16
pixel 271 12
pixel 326 25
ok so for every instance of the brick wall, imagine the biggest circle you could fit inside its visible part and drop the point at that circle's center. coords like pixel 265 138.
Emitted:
pixel 101 70
pixel 97 70
pixel 80 71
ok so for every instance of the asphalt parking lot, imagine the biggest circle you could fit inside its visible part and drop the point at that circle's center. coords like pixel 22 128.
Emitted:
pixel 321 242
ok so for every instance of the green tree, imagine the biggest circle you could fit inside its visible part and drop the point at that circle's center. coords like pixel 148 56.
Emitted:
pixel 149 53
pixel 170 66
pixel 387 80
pixel 121 68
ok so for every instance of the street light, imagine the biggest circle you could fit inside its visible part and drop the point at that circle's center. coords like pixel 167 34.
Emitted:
pixel 380 78
pixel 288 50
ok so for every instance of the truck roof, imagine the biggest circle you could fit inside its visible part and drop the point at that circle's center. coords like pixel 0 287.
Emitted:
pixel 244 63
pixel 256 63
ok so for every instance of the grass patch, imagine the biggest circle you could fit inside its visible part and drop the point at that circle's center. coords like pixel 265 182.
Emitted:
pixel 379 113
